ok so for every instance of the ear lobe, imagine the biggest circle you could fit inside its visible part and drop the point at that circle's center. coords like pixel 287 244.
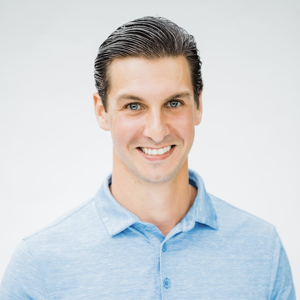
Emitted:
pixel 101 114
pixel 198 113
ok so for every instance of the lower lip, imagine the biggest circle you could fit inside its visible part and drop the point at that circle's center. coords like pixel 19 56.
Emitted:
pixel 157 157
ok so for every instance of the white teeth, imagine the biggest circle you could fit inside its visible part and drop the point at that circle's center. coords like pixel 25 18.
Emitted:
pixel 159 151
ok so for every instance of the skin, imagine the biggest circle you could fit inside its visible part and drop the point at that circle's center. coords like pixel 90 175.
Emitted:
pixel 151 104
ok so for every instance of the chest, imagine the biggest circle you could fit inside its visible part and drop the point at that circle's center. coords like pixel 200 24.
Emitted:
pixel 171 270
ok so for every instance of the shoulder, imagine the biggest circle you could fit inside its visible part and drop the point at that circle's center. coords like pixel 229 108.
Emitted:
pixel 54 247
pixel 77 225
pixel 239 223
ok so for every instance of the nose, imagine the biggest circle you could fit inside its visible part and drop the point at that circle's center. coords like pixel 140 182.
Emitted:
pixel 156 126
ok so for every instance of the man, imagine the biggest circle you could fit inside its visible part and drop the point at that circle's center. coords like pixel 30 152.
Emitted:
pixel 152 231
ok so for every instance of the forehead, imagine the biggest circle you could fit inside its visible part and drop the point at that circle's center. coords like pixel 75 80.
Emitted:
pixel 149 78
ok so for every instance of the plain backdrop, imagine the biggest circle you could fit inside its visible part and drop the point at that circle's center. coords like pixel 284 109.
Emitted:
pixel 53 155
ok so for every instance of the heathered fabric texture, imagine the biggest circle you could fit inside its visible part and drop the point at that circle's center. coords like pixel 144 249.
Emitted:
pixel 102 251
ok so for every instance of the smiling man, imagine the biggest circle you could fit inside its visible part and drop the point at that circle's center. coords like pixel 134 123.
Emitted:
pixel 151 114
pixel 152 231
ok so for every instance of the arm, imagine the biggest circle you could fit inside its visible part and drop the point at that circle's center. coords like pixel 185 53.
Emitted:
pixel 281 285
pixel 23 278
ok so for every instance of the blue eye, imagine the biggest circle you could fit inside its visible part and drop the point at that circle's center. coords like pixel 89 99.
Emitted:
pixel 133 106
pixel 173 103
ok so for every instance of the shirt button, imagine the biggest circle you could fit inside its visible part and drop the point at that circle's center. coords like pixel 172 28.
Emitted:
pixel 164 247
pixel 167 283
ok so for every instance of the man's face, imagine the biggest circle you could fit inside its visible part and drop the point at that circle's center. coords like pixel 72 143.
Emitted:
pixel 151 114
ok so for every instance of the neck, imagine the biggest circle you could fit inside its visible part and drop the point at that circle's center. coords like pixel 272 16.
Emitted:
pixel 162 204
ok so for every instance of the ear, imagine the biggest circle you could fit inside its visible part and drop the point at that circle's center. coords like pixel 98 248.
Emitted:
pixel 101 114
pixel 198 112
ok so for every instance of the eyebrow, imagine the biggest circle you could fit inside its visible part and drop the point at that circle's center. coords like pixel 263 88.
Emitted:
pixel 136 98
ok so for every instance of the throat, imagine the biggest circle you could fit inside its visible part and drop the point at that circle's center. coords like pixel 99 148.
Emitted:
pixel 163 205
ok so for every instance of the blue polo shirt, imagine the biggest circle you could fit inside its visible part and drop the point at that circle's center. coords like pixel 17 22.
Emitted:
pixel 102 251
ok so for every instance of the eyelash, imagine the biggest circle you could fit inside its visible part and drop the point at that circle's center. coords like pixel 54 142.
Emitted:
pixel 179 103
pixel 134 103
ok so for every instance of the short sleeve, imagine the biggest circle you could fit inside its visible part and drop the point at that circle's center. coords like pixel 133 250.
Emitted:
pixel 22 278
pixel 281 285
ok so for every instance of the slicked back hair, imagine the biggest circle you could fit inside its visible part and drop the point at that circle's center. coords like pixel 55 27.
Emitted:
pixel 150 38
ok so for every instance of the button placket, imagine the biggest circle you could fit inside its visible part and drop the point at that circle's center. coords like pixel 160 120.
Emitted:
pixel 166 281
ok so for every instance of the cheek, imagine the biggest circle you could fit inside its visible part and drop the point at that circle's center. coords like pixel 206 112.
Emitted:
pixel 183 125
pixel 125 130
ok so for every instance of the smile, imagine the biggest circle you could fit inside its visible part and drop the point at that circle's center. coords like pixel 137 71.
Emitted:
pixel 159 151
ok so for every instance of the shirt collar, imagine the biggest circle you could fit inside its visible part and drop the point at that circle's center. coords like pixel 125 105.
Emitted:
pixel 202 211
pixel 117 218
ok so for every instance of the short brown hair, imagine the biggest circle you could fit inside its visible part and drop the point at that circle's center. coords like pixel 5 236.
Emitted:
pixel 151 38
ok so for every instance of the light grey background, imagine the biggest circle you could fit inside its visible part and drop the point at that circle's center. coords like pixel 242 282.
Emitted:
pixel 53 155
